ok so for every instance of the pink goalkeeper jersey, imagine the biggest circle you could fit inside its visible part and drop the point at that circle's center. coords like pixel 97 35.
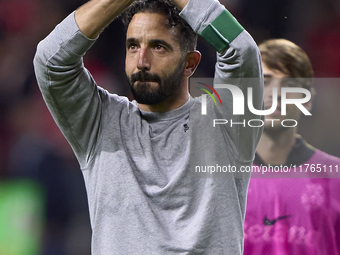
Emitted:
pixel 294 216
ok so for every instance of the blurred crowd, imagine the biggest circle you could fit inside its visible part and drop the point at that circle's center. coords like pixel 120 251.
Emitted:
pixel 32 147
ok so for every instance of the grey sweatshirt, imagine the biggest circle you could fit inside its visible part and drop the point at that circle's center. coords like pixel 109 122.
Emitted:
pixel 144 196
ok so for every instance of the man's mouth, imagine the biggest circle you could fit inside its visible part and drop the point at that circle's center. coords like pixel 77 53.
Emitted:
pixel 277 112
pixel 144 81
pixel 144 77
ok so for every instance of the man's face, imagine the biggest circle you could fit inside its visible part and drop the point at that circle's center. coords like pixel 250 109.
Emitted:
pixel 154 61
pixel 277 79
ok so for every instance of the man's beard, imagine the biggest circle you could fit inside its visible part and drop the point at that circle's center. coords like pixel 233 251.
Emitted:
pixel 167 86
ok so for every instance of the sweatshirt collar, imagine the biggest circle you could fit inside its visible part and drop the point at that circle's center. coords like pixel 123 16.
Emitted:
pixel 157 116
pixel 300 153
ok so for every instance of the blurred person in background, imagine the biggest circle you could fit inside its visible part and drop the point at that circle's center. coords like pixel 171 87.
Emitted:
pixel 291 216
pixel 55 215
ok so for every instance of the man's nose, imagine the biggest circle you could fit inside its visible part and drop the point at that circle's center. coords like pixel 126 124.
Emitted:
pixel 143 60
pixel 276 83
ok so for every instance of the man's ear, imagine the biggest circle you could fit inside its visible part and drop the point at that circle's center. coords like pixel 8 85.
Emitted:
pixel 192 60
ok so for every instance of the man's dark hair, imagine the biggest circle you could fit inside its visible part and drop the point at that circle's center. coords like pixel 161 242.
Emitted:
pixel 188 38
pixel 287 57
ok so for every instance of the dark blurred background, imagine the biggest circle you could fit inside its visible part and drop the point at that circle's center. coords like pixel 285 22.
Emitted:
pixel 37 164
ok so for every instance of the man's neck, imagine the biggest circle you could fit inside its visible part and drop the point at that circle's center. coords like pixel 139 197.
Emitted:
pixel 166 106
pixel 274 147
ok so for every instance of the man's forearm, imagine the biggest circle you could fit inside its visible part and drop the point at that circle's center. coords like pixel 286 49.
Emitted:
pixel 95 15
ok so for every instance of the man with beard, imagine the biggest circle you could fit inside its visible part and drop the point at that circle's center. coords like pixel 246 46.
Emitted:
pixel 296 212
pixel 136 156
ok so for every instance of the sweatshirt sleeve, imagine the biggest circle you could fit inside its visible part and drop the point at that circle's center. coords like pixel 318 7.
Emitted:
pixel 67 87
pixel 238 64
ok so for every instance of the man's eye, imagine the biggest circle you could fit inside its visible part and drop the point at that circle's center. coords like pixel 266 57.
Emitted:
pixel 132 47
pixel 159 47
pixel 293 84
pixel 290 83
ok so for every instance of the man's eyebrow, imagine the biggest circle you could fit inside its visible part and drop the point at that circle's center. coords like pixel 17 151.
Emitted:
pixel 131 40
pixel 152 42
pixel 159 41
